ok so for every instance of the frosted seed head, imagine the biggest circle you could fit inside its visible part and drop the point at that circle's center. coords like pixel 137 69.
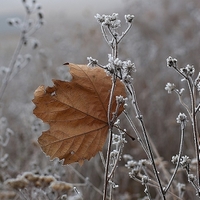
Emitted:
pixel 185 161
pixel 4 70
pixel 170 87
pixel 145 180
pixel 129 18
pixel 171 62
pixel 100 18
pixel 188 70
pixel 181 187
pixel 182 118
pixel 191 177
pixel 92 62
pixel 174 159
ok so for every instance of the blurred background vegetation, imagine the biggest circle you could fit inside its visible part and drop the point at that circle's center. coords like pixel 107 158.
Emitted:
pixel 161 28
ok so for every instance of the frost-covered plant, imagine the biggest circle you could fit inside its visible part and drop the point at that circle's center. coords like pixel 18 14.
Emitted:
pixel 140 171
pixel 192 109
pixel 32 21
pixel 27 27
pixel 117 69
pixel 30 185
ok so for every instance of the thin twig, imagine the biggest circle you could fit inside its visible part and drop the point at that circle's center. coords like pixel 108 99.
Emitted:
pixel 197 109
pixel 11 66
pixel 194 127
pixel 115 164
pixel 183 104
pixel 102 159
pixel 124 33
pixel 179 157
pixel 140 118
pixel 110 138
pixel 83 178
pixel 105 35
pixel 155 185
pixel 139 138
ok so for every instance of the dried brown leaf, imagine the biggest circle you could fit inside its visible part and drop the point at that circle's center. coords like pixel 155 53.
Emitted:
pixel 77 113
